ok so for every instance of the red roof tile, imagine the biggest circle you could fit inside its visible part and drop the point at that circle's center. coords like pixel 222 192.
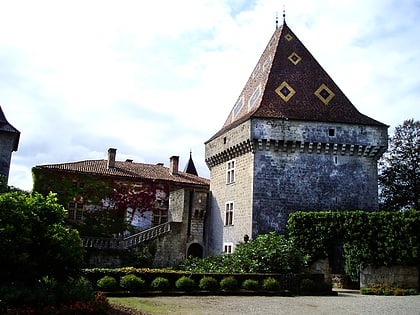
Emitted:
pixel 129 170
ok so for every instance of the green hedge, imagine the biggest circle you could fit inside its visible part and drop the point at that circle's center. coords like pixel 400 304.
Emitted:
pixel 287 282
pixel 369 238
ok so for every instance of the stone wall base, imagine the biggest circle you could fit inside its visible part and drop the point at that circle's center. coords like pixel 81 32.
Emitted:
pixel 395 276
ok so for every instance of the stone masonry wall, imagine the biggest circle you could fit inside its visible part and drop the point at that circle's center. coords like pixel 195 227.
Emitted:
pixel 395 276
pixel 301 166
pixel 233 145
pixel 285 166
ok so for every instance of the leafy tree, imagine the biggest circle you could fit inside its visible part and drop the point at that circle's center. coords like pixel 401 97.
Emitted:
pixel 34 241
pixel 399 169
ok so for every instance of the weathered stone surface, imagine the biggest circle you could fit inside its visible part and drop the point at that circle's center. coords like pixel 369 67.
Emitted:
pixel 287 166
pixel 395 276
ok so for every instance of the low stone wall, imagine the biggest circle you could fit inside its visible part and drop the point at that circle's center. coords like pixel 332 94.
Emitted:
pixel 321 266
pixel 395 276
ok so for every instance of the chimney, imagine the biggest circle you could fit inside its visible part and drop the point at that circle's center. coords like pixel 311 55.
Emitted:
pixel 173 164
pixel 111 157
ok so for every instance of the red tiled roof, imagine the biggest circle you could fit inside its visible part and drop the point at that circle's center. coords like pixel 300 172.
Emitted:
pixel 286 63
pixel 130 170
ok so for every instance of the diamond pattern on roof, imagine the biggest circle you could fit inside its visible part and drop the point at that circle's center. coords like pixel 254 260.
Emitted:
pixel 288 37
pixel 285 91
pixel 294 58
pixel 324 94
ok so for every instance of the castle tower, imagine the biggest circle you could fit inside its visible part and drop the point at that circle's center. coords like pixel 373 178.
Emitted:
pixel 9 141
pixel 292 142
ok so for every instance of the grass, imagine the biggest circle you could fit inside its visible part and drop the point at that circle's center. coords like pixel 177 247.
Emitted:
pixel 148 305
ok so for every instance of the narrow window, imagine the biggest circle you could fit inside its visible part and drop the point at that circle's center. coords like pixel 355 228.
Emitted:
pixel 224 140
pixel 331 132
pixel 228 213
pixel 230 172
pixel 227 248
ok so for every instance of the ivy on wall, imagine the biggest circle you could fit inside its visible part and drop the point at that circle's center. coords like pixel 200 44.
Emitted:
pixel 106 198
pixel 369 238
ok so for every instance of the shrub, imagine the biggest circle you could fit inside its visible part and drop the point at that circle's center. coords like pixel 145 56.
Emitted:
pixel 250 284
pixel 78 289
pixel 208 283
pixel 310 286
pixel 229 283
pixel 271 284
pixel 132 283
pixel 107 283
pixel 160 283
pixel 185 283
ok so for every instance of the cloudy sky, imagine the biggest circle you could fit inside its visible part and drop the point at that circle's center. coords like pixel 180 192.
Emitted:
pixel 158 79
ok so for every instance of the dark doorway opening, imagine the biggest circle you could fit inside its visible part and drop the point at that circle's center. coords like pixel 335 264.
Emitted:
pixel 195 250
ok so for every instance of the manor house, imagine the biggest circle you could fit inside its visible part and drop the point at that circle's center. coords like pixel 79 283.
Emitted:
pixel 292 142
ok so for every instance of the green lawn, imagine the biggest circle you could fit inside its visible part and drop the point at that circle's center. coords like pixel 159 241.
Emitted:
pixel 152 306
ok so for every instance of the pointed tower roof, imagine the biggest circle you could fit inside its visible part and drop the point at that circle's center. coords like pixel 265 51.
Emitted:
pixel 190 167
pixel 6 127
pixel 289 83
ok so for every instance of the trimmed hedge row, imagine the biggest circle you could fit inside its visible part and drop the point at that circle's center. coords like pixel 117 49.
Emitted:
pixel 369 238
pixel 132 279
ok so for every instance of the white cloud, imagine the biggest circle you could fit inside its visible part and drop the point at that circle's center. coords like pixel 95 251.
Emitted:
pixel 159 79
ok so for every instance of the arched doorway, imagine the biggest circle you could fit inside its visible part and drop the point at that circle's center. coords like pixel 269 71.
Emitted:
pixel 195 250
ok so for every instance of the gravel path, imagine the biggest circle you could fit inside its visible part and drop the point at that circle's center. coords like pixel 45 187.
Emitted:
pixel 344 303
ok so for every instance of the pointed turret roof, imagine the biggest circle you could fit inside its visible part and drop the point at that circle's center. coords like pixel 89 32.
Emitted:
pixel 6 127
pixel 289 83
pixel 190 167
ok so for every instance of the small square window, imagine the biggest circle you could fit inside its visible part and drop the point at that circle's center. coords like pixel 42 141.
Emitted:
pixel 331 132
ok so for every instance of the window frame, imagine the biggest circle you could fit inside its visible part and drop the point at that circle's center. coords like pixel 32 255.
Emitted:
pixel 229 213
pixel 230 171
pixel 227 248
pixel 75 211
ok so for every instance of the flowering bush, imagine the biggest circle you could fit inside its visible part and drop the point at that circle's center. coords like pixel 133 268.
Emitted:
pixel 98 306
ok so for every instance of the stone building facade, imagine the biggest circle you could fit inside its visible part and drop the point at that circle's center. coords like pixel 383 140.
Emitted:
pixel 163 206
pixel 9 142
pixel 292 142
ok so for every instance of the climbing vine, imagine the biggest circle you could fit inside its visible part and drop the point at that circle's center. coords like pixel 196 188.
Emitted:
pixel 106 200
pixel 369 238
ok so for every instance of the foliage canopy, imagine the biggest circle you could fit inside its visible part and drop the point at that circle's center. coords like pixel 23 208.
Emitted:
pixel 369 238
pixel 267 253
pixel 34 241
pixel 399 169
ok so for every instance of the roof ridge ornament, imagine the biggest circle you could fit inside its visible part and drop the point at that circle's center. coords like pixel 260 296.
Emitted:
pixel 284 14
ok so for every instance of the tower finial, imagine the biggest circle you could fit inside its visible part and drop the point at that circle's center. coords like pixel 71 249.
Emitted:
pixel 277 20
pixel 284 14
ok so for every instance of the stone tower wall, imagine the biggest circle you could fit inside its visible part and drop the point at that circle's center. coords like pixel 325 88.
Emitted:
pixel 233 145
pixel 309 166
pixel 285 166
